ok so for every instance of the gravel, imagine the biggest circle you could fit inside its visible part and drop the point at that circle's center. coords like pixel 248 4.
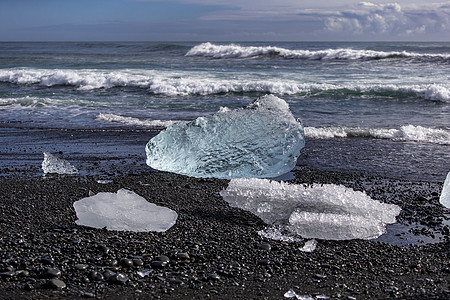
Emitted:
pixel 213 251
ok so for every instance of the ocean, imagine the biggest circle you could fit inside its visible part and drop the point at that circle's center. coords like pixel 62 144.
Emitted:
pixel 375 108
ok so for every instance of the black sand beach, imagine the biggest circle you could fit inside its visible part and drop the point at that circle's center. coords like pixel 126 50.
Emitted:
pixel 213 251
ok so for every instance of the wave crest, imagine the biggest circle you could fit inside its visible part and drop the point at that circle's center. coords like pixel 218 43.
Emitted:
pixel 133 121
pixel 404 133
pixel 237 51
pixel 185 84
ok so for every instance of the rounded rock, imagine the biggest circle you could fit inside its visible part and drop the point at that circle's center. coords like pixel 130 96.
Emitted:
pixel 56 284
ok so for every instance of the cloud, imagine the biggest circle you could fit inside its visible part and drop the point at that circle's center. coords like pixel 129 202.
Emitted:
pixel 390 20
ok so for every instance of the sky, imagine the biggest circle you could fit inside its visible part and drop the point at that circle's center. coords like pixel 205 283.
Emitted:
pixel 224 20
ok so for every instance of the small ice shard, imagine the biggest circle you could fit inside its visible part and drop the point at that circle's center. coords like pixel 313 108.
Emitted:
pixel 53 164
pixel 309 246
pixel 260 140
pixel 328 211
pixel 291 294
pixel 445 194
pixel 123 211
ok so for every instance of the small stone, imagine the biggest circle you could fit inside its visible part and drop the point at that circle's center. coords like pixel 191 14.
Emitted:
pixel 7 274
pixel 138 262
pixel 156 264
pixel 56 284
pixel 107 274
pixel 264 262
pixel 126 262
pixel 47 260
pixel 175 281
pixel 52 272
pixel 80 267
pixel 320 276
pixel 103 249
pixel 162 258
pixel 213 276
pixel 265 246
pixel 183 255
pixel 118 278
pixel 95 276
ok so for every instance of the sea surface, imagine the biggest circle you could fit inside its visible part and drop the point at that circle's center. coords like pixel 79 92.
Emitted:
pixel 374 108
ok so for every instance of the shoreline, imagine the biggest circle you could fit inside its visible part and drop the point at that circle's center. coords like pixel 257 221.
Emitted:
pixel 214 250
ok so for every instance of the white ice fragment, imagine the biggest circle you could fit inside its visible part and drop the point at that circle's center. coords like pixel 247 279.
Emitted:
pixel 123 211
pixel 144 273
pixel 309 246
pixel 260 140
pixel 445 194
pixel 104 181
pixel 328 211
pixel 291 294
pixel 53 164
pixel 279 233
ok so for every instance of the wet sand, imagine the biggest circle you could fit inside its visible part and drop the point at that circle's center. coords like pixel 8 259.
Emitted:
pixel 214 250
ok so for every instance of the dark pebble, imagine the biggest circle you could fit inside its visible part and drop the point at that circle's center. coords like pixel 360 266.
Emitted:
pixel 265 246
pixel 7 274
pixel 52 272
pixel 118 278
pixel 264 262
pixel 183 255
pixel 156 264
pixel 55 284
pixel 126 262
pixel 96 276
pixel 81 267
pixel 213 276
pixel 107 274
pixel 138 262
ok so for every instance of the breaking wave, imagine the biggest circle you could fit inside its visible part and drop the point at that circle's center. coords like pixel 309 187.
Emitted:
pixel 404 133
pixel 237 51
pixel 185 84
pixel 133 121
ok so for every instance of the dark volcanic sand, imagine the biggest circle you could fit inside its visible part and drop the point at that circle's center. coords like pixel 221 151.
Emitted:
pixel 214 250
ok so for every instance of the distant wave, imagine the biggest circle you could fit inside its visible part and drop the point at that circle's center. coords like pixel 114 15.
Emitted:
pixel 133 121
pixel 185 84
pixel 237 51
pixel 404 133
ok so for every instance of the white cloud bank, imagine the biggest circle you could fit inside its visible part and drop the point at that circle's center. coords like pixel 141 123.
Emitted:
pixel 383 20
pixel 410 20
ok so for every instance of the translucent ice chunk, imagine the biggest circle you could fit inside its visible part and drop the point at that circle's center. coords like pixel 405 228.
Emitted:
pixel 309 246
pixel 445 194
pixel 123 211
pixel 327 211
pixel 262 139
pixel 293 295
pixel 53 164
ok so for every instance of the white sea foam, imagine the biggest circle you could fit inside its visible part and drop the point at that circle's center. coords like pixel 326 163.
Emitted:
pixel 237 51
pixel 203 83
pixel 404 133
pixel 133 121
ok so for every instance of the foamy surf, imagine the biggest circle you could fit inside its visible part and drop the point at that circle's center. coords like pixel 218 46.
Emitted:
pixel 204 83
pixel 404 133
pixel 133 121
pixel 237 51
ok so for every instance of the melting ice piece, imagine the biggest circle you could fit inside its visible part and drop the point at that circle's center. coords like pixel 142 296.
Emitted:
pixel 328 211
pixel 53 164
pixel 445 194
pixel 123 211
pixel 262 139
pixel 309 246
pixel 293 295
